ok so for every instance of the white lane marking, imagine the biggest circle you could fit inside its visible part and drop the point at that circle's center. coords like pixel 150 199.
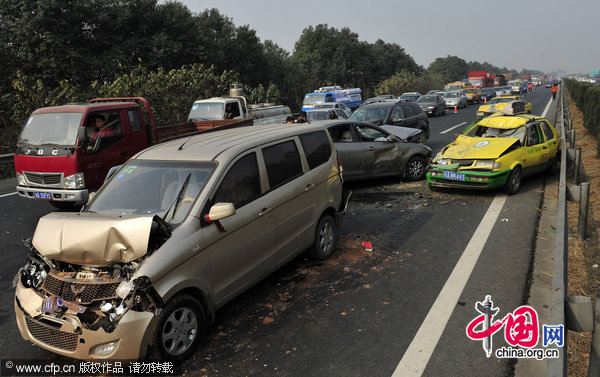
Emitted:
pixel 421 348
pixel 547 108
pixel 12 193
pixel 450 129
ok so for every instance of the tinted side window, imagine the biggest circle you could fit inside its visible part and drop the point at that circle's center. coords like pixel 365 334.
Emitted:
pixel 283 163
pixel 416 108
pixel 317 148
pixel 547 131
pixel 408 110
pixel 134 121
pixel 397 113
pixel 241 184
pixel 533 136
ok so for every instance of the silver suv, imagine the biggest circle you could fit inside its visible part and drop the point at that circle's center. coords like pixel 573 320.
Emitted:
pixel 181 229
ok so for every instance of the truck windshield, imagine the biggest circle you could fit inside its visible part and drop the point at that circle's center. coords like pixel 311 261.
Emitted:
pixel 206 111
pixel 476 82
pixel 311 99
pixel 51 128
pixel 153 188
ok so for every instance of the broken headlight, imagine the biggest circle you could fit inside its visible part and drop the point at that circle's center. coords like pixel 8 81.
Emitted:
pixel 32 275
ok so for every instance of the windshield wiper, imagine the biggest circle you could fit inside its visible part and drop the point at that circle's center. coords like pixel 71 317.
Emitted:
pixel 175 204
pixel 53 145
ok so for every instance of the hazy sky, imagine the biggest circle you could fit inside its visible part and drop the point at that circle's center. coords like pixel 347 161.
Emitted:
pixel 548 35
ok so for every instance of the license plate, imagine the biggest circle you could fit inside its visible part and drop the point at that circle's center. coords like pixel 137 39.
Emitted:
pixel 42 195
pixel 454 176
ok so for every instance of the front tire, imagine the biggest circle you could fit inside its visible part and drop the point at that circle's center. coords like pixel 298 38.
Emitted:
pixel 325 238
pixel 180 329
pixel 415 168
pixel 513 183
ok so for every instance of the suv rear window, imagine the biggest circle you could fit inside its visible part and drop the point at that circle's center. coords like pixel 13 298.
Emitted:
pixel 283 163
pixel 317 148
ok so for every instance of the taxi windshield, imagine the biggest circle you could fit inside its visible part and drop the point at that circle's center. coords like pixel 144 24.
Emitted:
pixel 492 132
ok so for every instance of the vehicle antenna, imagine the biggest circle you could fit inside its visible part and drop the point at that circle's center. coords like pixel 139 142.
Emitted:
pixel 181 146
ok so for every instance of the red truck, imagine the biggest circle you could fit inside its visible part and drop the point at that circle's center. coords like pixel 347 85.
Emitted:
pixel 60 158
pixel 481 79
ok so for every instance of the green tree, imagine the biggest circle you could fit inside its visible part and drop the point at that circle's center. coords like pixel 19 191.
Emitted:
pixel 449 69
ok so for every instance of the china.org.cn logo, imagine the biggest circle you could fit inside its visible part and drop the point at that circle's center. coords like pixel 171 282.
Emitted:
pixel 521 331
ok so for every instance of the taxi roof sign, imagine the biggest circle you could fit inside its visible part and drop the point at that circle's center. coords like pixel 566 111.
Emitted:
pixel 514 107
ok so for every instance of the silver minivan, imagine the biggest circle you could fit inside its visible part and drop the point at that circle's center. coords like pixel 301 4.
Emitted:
pixel 177 232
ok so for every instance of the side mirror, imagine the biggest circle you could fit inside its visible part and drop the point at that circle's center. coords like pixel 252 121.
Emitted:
pixel 219 211
pixel 82 134
pixel 394 138
pixel 112 171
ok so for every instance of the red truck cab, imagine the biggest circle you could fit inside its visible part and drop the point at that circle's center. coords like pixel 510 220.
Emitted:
pixel 56 158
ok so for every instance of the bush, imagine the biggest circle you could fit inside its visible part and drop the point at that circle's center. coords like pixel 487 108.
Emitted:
pixel 587 99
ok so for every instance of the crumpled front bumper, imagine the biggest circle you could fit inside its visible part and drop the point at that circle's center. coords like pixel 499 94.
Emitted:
pixel 444 176
pixel 66 336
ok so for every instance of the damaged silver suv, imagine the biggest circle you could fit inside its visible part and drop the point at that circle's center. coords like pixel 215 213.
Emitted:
pixel 177 232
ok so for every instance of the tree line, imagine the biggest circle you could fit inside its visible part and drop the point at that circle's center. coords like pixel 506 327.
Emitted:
pixel 57 51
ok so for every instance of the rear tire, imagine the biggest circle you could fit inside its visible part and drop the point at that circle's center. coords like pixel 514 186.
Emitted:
pixel 325 238
pixel 415 168
pixel 513 182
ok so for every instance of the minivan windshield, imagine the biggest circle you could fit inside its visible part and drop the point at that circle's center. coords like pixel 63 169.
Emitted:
pixel 51 128
pixel 164 188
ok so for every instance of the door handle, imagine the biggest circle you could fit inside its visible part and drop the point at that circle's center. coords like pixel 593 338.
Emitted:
pixel 264 211
pixel 371 148
pixel 309 187
pixel 544 147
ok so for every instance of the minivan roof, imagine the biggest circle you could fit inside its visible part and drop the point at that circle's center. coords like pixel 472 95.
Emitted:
pixel 230 142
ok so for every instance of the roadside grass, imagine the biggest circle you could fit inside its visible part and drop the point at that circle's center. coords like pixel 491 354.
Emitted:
pixel 584 255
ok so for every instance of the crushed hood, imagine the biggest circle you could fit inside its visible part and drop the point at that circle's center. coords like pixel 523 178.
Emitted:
pixel 401 132
pixel 91 239
pixel 473 148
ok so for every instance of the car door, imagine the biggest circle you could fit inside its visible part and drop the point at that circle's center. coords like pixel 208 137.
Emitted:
pixel 536 155
pixel 551 142
pixel 350 150
pixel 246 248
pixel 410 115
pixel 381 155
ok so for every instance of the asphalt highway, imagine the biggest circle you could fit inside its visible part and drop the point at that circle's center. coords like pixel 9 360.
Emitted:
pixel 401 309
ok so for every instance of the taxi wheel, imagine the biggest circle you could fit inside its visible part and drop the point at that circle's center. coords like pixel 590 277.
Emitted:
pixel 179 329
pixel 325 237
pixel 513 183
pixel 415 168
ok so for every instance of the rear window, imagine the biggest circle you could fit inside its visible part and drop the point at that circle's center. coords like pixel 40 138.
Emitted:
pixel 283 163
pixel 317 148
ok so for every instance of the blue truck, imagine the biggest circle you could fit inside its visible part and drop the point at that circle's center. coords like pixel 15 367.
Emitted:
pixel 349 97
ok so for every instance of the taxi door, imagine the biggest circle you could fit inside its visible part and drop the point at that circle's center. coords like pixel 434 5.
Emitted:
pixel 536 156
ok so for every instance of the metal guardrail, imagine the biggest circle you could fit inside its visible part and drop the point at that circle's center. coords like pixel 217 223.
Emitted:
pixel 558 367
pixel 6 158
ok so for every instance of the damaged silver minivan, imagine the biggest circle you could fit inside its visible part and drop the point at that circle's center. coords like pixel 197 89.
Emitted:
pixel 178 231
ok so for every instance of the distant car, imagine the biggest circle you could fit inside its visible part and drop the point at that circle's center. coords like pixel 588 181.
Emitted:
pixel 325 114
pixel 507 90
pixel 455 99
pixel 497 151
pixel 394 113
pixel 410 96
pixel 473 95
pixel 499 91
pixel 548 84
pixel 380 98
pixel 368 151
pixel 334 105
pixel 432 104
pixel 435 92
pixel 488 93
pixel 497 104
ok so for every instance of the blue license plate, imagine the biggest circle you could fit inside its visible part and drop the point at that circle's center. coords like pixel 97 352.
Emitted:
pixel 42 195
pixel 454 176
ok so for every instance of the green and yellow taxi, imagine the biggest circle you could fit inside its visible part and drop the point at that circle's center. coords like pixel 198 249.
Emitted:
pixel 497 151
pixel 496 104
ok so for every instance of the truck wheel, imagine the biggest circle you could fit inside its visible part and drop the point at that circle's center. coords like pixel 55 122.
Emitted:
pixel 325 238
pixel 513 183
pixel 179 329
pixel 415 168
